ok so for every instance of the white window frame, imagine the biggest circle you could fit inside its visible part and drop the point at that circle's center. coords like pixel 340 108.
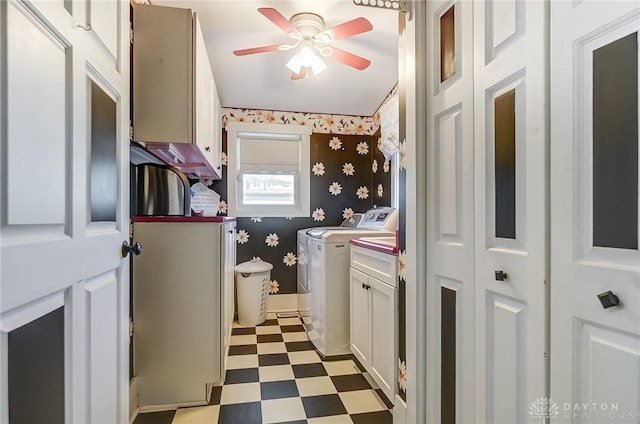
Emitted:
pixel 235 132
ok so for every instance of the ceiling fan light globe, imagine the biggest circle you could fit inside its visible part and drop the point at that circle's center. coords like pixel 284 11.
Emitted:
pixel 318 66
pixel 294 64
pixel 307 56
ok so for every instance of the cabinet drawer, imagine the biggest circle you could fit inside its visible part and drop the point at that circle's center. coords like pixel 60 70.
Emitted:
pixel 382 266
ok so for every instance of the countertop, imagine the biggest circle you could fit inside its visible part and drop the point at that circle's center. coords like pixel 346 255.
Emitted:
pixel 380 244
pixel 183 219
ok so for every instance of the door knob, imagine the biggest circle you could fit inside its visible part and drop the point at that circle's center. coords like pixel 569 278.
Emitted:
pixel 501 275
pixel 135 248
pixel 608 299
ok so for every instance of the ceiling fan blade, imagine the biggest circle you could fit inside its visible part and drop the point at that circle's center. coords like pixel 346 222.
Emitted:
pixel 347 29
pixel 255 50
pixel 276 17
pixel 350 59
pixel 301 75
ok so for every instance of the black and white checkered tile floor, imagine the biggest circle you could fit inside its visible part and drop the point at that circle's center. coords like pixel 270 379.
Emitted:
pixel 274 375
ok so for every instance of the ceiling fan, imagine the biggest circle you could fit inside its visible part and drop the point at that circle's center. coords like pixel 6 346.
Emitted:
pixel 307 29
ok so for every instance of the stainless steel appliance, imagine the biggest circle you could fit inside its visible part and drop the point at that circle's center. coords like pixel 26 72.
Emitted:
pixel 159 190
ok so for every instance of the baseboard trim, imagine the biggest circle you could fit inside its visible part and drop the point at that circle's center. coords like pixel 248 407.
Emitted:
pixel 133 400
pixel 400 411
pixel 282 303
pixel 169 406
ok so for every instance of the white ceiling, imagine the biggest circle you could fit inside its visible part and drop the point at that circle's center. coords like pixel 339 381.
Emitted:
pixel 261 81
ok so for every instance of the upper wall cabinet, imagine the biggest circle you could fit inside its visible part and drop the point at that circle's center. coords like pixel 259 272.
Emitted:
pixel 176 110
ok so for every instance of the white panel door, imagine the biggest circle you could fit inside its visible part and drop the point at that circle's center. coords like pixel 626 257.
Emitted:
pixel 510 86
pixel 595 346
pixel 103 344
pixel 104 18
pixel 64 109
pixel 450 235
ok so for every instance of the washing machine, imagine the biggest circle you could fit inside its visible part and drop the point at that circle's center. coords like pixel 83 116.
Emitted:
pixel 304 301
pixel 328 255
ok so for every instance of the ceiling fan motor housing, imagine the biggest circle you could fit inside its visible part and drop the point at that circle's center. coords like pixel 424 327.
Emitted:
pixel 310 26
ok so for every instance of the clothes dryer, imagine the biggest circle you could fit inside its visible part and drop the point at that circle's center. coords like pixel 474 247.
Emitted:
pixel 328 257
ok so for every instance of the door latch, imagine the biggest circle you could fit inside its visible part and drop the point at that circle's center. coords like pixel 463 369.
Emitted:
pixel 135 248
pixel 608 299
pixel 501 275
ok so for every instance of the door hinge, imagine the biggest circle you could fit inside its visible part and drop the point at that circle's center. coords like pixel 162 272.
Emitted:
pixel 130 327
pixel 130 35
pixel 130 132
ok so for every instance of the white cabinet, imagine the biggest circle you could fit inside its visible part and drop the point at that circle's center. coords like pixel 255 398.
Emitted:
pixel 182 309
pixel 208 131
pixel 176 109
pixel 374 314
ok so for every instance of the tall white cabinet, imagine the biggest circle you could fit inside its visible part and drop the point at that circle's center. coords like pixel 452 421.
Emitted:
pixel 183 295
pixel 176 108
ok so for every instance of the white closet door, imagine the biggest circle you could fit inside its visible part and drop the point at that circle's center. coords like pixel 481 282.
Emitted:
pixel 65 195
pixel 450 235
pixel 510 94
pixel 595 347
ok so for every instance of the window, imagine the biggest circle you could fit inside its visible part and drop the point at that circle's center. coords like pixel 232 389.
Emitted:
pixel 268 169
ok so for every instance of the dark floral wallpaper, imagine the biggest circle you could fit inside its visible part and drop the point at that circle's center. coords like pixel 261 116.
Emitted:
pixel 348 175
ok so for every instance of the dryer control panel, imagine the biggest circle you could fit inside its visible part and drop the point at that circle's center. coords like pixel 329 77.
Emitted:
pixel 382 218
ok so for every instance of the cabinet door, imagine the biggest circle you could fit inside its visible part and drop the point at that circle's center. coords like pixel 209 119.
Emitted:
pixel 176 354
pixel 204 95
pixel 360 323
pixel 215 156
pixel 383 339
pixel 162 57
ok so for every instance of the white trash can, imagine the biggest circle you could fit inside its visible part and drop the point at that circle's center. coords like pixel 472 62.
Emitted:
pixel 252 288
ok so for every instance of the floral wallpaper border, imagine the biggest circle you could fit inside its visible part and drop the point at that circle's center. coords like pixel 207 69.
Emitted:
pixel 319 122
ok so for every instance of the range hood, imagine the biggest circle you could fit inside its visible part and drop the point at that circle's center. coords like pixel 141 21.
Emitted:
pixel 138 155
